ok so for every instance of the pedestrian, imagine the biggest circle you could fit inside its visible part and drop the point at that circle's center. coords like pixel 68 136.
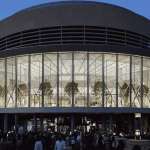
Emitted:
pixel 38 144
pixel 101 143
pixel 121 145
pixel 114 143
pixel 60 144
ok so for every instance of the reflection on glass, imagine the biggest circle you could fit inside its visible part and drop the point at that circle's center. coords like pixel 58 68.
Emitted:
pixel 65 80
pixel 146 82
pixel 50 80
pixel 11 83
pixel 2 83
pixel 22 81
pixel 123 81
pixel 36 80
pixel 136 82
pixel 80 79
pixel 95 80
pixel 110 80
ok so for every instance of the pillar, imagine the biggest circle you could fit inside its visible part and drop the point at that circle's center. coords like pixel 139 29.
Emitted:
pixel 72 122
pixel 5 122
pixel 16 123
pixel 110 123
pixel 41 124
pixel 34 123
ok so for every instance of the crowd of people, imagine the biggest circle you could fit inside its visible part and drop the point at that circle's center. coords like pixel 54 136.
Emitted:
pixel 76 140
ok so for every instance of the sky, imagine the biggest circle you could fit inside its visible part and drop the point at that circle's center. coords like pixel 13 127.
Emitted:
pixel 9 7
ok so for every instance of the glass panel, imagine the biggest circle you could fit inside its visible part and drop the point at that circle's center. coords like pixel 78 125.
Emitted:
pixel 50 80
pixel 136 81
pixel 36 80
pixel 146 82
pixel 2 83
pixel 22 81
pixel 95 80
pixel 80 79
pixel 110 80
pixel 65 80
pixel 123 81
pixel 11 83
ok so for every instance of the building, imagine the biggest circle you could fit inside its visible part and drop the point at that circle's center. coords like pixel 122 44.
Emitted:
pixel 75 64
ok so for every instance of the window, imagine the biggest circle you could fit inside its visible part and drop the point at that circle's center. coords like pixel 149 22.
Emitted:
pixel 80 79
pixel 136 81
pixel 95 80
pixel 36 81
pixel 50 80
pixel 110 80
pixel 22 81
pixel 123 81
pixel 11 82
pixel 65 79
pixel 2 83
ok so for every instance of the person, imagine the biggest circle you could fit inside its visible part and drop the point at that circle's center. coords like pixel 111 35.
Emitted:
pixel 72 142
pixel 20 132
pixel 60 144
pixel 121 145
pixel 114 143
pixel 38 144
pixel 101 143
pixel 95 141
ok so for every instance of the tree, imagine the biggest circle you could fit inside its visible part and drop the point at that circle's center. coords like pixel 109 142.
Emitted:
pixel 125 92
pixel 71 88
pixel 22 88
pixel 47 88
pixel 22 91
pixel 145 90
pixel 98 87
pixel 2 89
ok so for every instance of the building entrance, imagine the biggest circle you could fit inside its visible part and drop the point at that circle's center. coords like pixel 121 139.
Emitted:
pixel 105 123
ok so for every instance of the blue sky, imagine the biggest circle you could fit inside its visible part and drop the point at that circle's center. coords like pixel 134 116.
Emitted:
pixel 9 7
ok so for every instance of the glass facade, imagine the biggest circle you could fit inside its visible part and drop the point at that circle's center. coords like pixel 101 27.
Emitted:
pixel 2 83
pixel 75 79
pixel 36 81
pixel 123 81
pixel 11 83
pixel 22 81
pixel 109 80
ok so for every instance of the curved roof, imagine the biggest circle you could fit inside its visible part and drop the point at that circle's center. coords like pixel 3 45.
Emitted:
pixel 70 13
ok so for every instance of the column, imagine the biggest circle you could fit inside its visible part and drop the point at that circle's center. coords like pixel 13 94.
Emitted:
pixel 110 123
pixel 5 122
pixel 16 123
pixel 72 122
pixel 34 123
pixel 41 124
